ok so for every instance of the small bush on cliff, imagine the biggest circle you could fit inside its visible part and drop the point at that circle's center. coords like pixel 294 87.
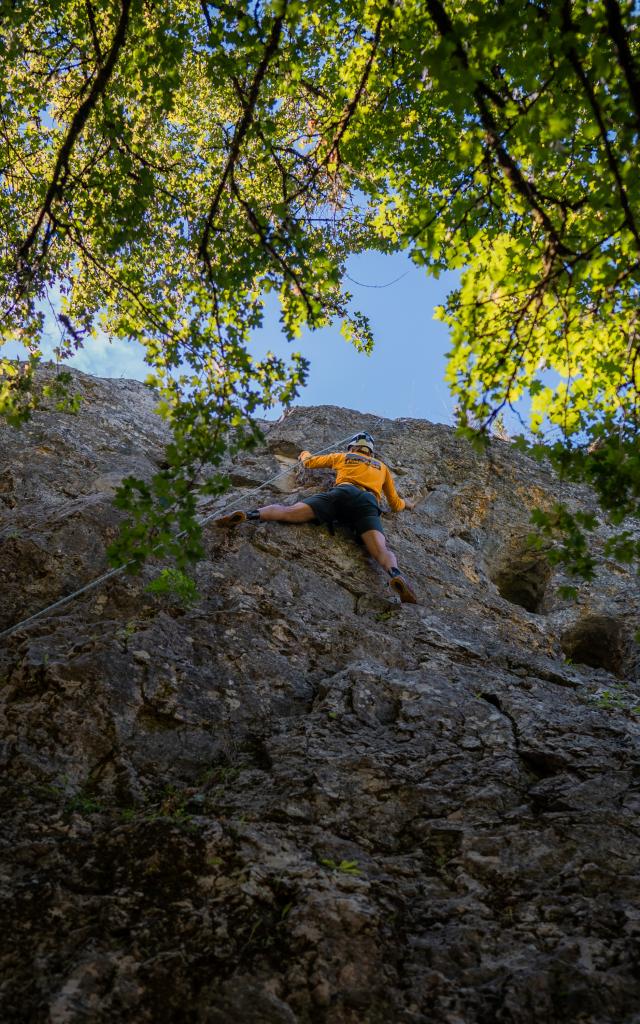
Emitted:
pixel 175 584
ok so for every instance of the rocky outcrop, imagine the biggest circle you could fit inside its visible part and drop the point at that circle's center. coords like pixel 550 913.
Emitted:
pixel 296 801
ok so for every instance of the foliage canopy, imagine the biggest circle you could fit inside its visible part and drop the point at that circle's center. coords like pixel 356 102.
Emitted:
pixel 166 166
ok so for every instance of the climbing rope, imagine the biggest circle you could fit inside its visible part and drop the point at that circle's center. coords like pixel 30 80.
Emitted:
pixel 283 472
pixel 388 284
pixel 121 568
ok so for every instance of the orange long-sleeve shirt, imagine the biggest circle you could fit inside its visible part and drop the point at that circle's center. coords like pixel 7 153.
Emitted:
pixel 361 470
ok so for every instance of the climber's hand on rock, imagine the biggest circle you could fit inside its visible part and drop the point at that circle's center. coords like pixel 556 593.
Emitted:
pixel 410 504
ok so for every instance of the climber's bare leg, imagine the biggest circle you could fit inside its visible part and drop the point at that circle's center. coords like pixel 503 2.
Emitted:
pixel 298 513
pixel 376 544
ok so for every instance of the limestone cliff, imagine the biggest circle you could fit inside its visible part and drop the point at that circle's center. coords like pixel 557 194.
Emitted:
pixel 298 802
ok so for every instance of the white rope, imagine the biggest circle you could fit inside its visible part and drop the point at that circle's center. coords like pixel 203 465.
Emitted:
pixel 63 600
pixel 121 568
pixel 283 472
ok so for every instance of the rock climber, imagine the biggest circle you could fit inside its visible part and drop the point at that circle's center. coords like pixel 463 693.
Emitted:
pixel 361 479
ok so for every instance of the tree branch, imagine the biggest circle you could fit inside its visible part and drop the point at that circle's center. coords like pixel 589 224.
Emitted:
pixel 512 172
pixel 589 91
pixel 347 113
pixel 78 122
pixel 620 40
pixel 273 251
pixel 207 16
pixel 241 130
pixel 94 32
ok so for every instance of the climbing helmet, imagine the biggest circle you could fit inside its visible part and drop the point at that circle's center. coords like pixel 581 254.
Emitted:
pixel 362 441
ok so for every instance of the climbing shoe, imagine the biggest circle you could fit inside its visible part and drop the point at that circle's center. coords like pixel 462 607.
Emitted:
pixel 402 587
pixel 233 519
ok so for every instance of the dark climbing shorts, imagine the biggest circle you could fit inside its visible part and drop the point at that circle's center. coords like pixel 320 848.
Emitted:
pixel 349 505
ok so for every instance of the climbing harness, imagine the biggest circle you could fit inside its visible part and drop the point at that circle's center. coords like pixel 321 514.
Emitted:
pixel 121 568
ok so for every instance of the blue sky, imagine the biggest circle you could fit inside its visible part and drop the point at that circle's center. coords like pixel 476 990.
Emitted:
pixel 403 377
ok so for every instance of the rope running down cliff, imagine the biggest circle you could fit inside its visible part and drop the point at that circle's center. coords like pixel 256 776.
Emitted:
pixel 121 568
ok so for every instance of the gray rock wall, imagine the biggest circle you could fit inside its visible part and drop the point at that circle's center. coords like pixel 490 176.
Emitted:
pixel 298 802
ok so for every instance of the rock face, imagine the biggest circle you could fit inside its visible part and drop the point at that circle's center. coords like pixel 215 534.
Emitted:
pixel 296 801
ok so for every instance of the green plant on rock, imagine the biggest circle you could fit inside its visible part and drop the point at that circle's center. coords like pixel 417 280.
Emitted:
pixel 616 698
pixel 174 803
pixel 59 390
pixel 346 867
pixel 85 804
pixel 127 631
pixel 175 584
pixel 386 615
pixel 170 805
pixel 222 774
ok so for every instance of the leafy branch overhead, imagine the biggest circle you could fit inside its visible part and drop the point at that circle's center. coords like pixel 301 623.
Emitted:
pixel 166 167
